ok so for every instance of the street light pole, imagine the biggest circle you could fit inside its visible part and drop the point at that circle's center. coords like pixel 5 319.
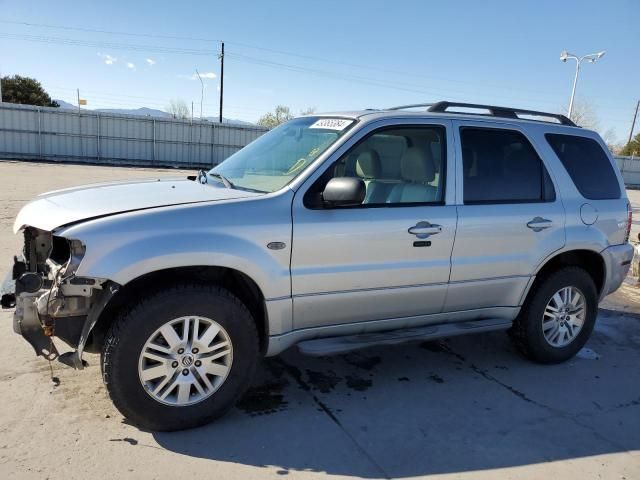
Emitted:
pixel 591 58
pixel 573 90
pixel 201 92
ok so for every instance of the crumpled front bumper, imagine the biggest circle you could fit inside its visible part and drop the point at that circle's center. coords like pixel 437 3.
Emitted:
pixel 26 321
pixel 45 308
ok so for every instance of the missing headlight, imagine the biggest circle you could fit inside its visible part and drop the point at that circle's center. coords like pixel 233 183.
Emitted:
pixel 61 251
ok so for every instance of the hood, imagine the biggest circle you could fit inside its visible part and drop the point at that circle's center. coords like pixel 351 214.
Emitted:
pixel 62 207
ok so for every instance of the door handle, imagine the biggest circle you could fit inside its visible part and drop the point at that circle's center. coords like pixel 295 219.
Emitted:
pixel 538 224
pixel 424 229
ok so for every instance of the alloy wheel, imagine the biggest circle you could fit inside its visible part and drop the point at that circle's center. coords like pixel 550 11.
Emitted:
pixel 564 316
pixel 185 361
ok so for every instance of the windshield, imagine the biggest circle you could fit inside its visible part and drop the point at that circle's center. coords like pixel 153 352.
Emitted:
pixel 277 157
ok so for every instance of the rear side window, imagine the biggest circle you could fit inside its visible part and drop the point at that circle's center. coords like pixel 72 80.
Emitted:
pixel 501 166
pixel 587 164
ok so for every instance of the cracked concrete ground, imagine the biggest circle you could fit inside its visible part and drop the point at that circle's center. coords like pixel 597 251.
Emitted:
pixel 468 407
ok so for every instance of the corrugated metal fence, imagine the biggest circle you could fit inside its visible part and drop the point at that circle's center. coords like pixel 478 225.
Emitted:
pixel 630 169
pixel 63 135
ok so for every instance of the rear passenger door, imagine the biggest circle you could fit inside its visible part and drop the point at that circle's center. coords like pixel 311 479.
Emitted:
pixel 509 217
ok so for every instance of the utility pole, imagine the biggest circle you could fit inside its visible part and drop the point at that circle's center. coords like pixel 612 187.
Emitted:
pixel 221 57
pixel 78 90
pixel 0 87
pixel 633 124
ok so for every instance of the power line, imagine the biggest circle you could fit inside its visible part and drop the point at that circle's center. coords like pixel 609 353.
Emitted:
pixel 105 45
pixel 109 32
pixel 404 86
pixel 183 51
pixel 266 49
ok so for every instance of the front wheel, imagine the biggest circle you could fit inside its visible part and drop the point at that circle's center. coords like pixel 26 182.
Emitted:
pixel 558 316
pixel 180 358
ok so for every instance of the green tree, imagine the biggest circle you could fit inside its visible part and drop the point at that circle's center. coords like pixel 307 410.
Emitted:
pixel 281 114
pixel 273 119
pixel 25 90
pixel 632 148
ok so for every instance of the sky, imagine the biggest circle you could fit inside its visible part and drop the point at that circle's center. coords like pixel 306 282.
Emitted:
pixel 330 55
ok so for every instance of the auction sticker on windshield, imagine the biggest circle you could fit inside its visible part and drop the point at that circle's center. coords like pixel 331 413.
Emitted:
pixel 332 123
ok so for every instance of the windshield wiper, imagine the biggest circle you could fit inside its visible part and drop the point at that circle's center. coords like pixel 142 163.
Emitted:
pixel 223 179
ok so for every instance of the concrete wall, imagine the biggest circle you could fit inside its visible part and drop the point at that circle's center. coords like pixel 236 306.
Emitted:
pixel 63 135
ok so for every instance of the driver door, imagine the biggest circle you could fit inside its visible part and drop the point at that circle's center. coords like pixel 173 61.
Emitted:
pixel 376 261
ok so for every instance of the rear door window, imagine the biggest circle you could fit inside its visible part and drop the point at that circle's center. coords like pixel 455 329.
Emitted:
pixel 587 164
pixel 501 166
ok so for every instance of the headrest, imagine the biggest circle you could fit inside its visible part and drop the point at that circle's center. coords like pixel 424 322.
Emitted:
pixel 368 164
pixel 416 165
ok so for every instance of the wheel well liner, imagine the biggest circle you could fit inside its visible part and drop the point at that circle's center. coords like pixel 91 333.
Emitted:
pixel 238 283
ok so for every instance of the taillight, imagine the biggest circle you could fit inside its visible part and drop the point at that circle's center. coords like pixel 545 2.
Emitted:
pixel 629 220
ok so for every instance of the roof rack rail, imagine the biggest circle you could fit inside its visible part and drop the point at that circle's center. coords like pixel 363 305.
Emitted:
pixel 505 112
pixel 415 105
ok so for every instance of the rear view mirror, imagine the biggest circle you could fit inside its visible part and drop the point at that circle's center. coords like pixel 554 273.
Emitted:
pixel 344 192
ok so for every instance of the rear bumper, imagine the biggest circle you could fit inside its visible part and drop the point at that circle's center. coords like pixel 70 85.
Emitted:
pixel 617 259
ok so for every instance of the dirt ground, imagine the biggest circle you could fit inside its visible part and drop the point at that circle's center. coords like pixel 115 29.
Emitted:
pixel 468 407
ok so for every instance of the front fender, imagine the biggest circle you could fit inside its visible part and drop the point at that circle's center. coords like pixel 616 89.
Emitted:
pixel 234 235
pixel 126 261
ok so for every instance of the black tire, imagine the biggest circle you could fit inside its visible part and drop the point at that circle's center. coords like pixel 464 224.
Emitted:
pixel 131 329
pixel 527 332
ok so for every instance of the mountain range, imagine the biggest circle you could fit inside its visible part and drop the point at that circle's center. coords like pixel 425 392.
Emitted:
pixel 148 112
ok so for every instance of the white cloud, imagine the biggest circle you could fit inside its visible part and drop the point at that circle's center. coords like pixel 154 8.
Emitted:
pixel 209 75
pixel 108 59
pixel 203 75
pixel 131 66
pixel 151 62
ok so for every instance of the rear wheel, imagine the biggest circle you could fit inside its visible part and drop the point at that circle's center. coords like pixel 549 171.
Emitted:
pixel 558 316
pixel 181 357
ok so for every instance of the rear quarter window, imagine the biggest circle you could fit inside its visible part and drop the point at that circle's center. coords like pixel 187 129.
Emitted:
pixel 588 165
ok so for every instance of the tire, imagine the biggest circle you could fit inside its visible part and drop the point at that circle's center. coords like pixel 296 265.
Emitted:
pixel 124 365
pixel 527 330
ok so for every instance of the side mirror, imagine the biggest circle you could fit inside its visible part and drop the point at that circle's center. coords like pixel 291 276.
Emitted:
pixel 344 192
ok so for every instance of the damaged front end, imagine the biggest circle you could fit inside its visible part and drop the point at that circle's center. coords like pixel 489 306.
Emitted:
pixel 49 299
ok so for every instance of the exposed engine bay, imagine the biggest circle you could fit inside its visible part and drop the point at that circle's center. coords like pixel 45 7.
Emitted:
pixel 49 299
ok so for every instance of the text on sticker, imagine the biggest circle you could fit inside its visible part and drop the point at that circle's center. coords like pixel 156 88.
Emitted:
pixel 332 123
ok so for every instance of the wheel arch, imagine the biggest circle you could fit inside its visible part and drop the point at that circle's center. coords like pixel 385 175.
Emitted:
pixel 236 282
pixel 589 260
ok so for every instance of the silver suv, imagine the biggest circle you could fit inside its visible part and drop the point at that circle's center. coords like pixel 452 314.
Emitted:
pixel 333 232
